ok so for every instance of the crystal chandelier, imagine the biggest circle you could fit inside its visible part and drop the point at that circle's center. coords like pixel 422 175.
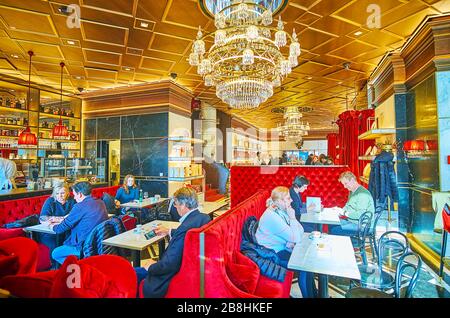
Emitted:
pixel 245 64
pixel 293 128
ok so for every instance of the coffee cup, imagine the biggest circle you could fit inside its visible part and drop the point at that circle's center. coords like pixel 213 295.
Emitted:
pixel 315 234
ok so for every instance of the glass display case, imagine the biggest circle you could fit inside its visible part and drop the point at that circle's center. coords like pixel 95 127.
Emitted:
pixel 73 169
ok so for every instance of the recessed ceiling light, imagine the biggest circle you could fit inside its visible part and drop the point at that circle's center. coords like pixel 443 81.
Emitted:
pixel 340 83
pixel 144 24
pixel 127 69
pixel 70 42
pixel 15 56
pixel 11 90
pixel 358 33
pixel 309 78
pixel 78 77
pixel 12 27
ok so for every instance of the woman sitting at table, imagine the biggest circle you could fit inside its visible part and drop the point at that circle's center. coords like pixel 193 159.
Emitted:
pixel 279 230
pixel 58 204
pixel 128 192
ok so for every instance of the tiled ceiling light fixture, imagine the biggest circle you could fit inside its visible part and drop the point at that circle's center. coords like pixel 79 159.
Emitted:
pixel 244 63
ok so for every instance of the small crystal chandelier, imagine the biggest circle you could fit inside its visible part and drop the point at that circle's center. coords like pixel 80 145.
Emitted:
pixel 293 128
pixel 245 63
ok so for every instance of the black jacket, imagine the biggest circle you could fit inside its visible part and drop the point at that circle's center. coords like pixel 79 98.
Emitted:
pixel 161 273
pixel 297 203
pixel 93 245
pixel 266 258
pixel 382 180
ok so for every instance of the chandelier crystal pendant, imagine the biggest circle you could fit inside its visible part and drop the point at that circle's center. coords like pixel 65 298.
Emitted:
pixel 293 129
pixel 245 64
pixel 26 137
pixel 60 131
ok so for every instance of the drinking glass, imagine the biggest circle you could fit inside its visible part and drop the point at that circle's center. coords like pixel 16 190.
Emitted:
pixel 44 218
pixel 145 195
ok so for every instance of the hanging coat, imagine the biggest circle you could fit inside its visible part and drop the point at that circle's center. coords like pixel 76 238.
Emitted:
pixel 382 180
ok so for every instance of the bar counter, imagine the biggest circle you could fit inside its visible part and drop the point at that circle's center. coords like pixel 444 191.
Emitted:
pixel 21 193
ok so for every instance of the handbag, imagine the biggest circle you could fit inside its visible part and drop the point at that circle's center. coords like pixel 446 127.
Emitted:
pixel 25 222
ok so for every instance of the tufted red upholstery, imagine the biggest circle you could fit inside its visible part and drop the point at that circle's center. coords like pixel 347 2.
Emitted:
pixel 13 210
pixel 98 192
pixel 245 181
pixel 40 284
pixel 222 237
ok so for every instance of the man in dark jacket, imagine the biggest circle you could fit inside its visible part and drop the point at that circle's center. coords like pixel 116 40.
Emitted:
pixel 299 186
pixel 160 274
pixel 85 215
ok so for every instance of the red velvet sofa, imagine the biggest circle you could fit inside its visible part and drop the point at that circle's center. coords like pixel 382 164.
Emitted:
pixel 213 266
pixel 12 210
pixel 247 180
pixel 18 255
pixel 102 276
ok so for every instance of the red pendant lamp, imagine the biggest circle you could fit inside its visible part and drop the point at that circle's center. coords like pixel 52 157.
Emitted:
pixel 26 137
pixel 60 131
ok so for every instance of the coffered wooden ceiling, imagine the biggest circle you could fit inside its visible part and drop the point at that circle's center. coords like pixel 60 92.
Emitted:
pixel 129 42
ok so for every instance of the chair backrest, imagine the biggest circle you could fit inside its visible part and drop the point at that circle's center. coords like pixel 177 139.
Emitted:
pixel 414 263
pixel 364 223
pixel 128 221
pixel 392 240
pixel 93 245
pixel 377 218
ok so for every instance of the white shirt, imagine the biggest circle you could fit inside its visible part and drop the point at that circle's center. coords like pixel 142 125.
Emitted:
pixel 276 230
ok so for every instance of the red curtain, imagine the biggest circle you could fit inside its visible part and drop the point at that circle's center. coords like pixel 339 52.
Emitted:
pixel 332 146
pixel 353 123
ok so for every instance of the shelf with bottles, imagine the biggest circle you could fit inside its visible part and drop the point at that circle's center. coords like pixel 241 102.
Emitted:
pixel 189 170
pixel 184 179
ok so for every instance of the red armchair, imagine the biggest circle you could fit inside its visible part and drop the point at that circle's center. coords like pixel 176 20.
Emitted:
pixel 18 255
pixel 102 276
pixel 213 266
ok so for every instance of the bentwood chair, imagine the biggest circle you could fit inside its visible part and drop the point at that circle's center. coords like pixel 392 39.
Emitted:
pixel 373 236
pixel 413 265
pixel 391 246
pixel 359 241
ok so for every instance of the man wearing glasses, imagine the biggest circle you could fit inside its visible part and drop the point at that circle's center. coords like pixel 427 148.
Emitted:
pixel 159 274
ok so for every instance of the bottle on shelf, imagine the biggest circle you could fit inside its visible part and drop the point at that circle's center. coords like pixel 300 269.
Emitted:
pixel 141 195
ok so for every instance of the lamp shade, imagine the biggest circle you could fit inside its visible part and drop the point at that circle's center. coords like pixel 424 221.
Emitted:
pixel 60 131
pixel 407 145
pixel 27 138
pixel 417 145
pixel 432 145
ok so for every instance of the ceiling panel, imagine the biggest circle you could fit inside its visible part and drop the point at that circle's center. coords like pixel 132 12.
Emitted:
pixel 128 42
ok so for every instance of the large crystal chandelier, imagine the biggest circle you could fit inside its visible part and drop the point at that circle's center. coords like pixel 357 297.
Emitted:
pixel 244 63
pixel 293 128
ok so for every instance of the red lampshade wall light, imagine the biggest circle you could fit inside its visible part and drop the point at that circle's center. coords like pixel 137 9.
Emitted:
pixel 26 137
pixel 60 131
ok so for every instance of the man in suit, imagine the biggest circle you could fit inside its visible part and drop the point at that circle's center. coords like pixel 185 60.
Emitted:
pixel 299 186
pixel 85 215
pixel 159 274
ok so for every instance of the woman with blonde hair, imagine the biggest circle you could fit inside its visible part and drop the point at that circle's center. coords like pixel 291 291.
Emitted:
pixel 128 191
pixel 279 230
pixel 59 204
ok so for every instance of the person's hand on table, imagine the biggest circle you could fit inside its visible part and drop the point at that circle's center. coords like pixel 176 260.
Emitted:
pixel 148 263
pixel 117 202
pixel 161 230
pixel 311 207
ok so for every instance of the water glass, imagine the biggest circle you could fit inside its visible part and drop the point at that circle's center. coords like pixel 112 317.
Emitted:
pixel 157 197
pixel 44 218
pixel 145 195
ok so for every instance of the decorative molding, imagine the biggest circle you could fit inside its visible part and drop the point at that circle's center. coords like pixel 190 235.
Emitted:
pixel 142 99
